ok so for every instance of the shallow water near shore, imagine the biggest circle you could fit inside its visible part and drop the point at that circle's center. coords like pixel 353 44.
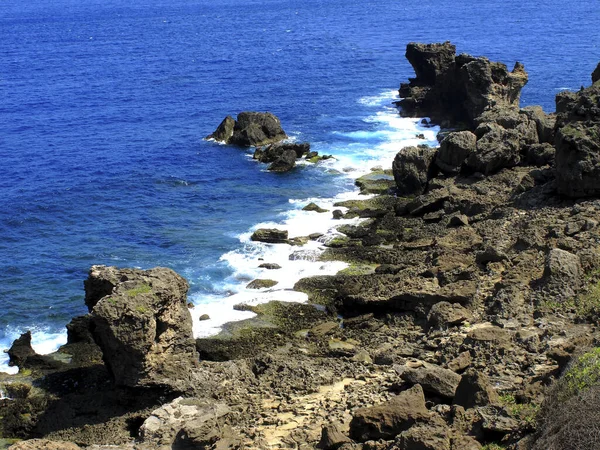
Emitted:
pixel 105 105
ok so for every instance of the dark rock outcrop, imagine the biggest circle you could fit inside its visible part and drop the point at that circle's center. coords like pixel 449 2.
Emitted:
pixel 459 88
pixel 144 328
pixel 412 169
pixel 250 129
pixel 20 350
pixel 596 74
pixel 284 163
pixel 272 152
pixel 270 235
pixel 454 150
pixel 224 131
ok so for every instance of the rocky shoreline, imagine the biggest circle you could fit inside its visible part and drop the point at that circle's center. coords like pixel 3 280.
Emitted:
pixel 474 284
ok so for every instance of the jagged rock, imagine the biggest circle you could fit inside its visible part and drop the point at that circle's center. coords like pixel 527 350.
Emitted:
pixel 461 362
pixel 457 88
pixel 545 123
pixel 183 419
pixel 443 315
pixel 144 328
pixel 578 142
pixel 430 61
pixel 412 169
pixel 273 152
pixel 433 379
pixel 284 163
pixel 434 435
pixel 496 149
pixel 578 160
pixel 250 129
pixel 78 330
pixel 270 235
pixel 314 207
pixel 540 155
pixel 261 284
pixel 332 438
pixel 474 389
pixel 388 419
pixel 454 150
pixel 20 350
pixel 596 74
pixel 224 131
pixel 562 274
pixel 44 444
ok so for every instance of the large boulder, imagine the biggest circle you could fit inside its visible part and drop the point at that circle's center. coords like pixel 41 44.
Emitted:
pixel 412 169
pixel 562 275
pixel 20 350
pixel 390 418
pixel 578 160
pixel 496 149
pixel 270 236
pixel 224 131
pixel 284 163
pixel 144 328
pixel 578 142
pixel 250 129
pixel 457 88
pixel 474 390
pixel 454 150
pixel 272 152
pixel 433 379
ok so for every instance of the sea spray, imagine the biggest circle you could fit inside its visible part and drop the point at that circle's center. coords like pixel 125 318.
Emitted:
pixel 355 153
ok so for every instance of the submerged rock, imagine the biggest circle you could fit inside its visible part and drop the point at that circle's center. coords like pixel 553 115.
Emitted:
pixel 144 328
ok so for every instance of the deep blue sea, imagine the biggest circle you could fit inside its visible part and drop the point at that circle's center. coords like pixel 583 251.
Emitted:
pixel 104 106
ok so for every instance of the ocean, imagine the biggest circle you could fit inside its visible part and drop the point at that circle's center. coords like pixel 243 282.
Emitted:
pixel 105 105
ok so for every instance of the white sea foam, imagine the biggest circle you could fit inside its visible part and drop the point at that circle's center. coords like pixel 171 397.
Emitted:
pixel 355 154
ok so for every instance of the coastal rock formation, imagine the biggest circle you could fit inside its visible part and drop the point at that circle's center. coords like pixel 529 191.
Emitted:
pixel 143 326
pixel 411 168
pixel 20 350
pixel 454 150
pixel 250 129
pixel 457 89
pixel 578 142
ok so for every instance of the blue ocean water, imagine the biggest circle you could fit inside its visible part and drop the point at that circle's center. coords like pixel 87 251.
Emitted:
pixel 105 104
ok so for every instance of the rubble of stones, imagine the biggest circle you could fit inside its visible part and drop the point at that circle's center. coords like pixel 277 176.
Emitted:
pixel 459 307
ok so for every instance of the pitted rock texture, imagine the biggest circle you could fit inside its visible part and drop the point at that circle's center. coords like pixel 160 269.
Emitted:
pixel 143 327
